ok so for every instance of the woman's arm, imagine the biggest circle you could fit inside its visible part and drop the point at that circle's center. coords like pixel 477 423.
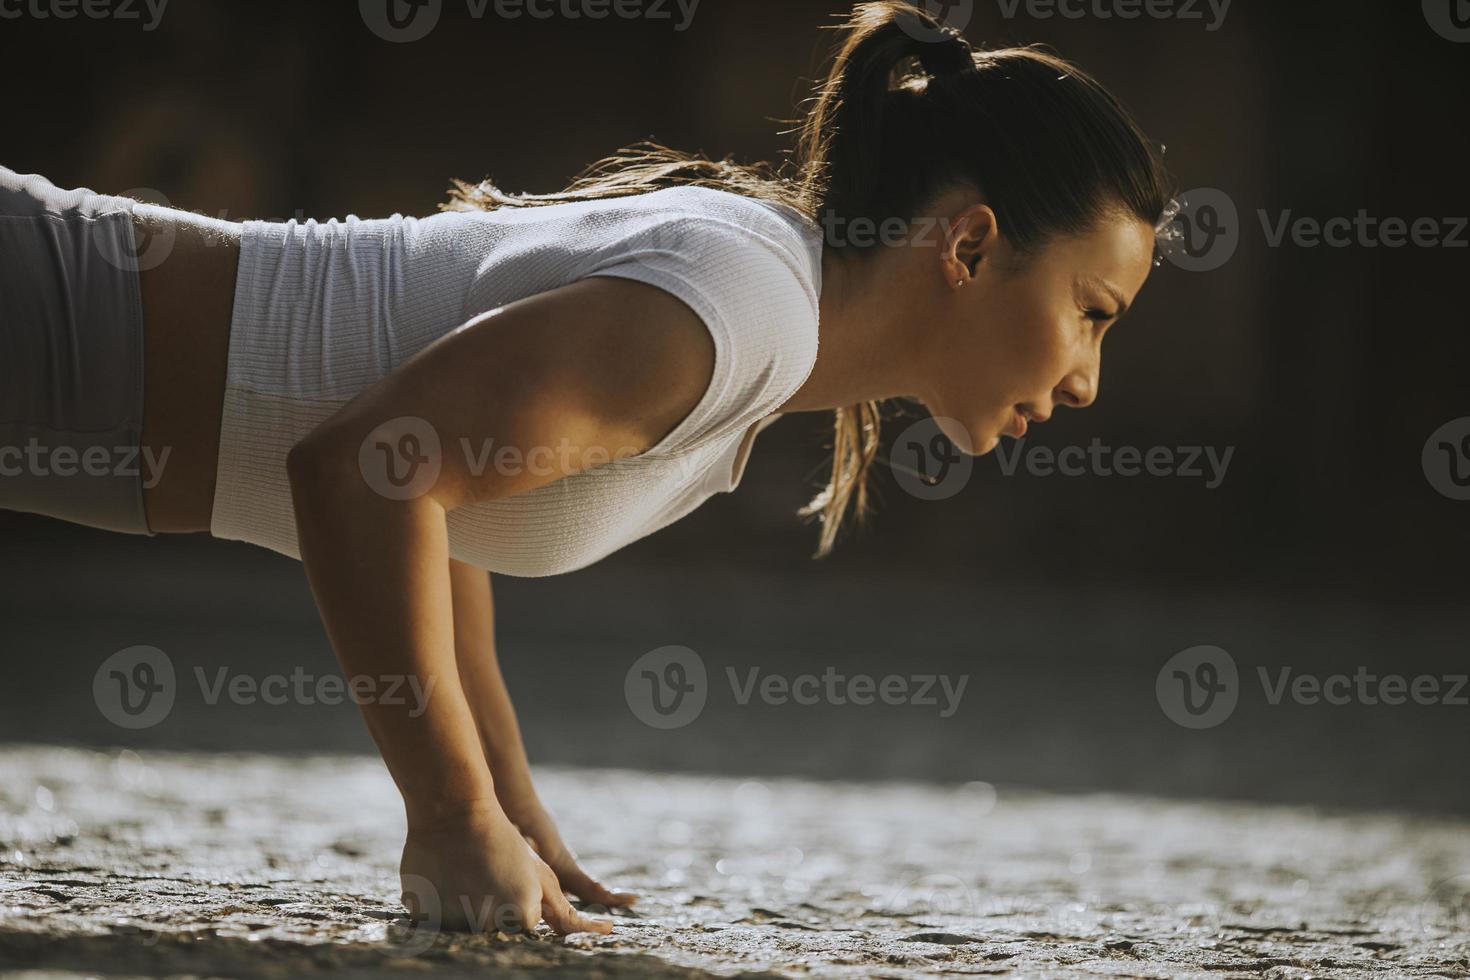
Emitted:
pixel 500 735
pixel 604 367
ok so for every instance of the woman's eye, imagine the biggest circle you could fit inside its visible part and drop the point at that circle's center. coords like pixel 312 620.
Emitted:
pixel 1100 316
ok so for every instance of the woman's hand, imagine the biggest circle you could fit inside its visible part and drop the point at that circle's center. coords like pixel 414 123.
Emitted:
pixel 533 821
pixel 476 873
pixel 500 735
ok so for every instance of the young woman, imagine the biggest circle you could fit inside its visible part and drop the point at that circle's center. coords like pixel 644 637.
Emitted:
pixel 526 384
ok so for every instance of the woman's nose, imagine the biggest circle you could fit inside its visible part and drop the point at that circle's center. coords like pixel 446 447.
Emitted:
pixel 1078 389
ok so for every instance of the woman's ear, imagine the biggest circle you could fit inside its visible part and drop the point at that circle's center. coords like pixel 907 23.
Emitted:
pixel 973 237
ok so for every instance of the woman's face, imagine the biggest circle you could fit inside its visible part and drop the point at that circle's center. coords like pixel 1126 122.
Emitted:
pixel 1017 341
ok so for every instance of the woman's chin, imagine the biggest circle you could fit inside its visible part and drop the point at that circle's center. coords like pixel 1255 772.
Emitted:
pixel 959 435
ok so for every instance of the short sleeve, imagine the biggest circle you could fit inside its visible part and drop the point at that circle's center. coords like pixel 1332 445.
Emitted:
pixel 753 286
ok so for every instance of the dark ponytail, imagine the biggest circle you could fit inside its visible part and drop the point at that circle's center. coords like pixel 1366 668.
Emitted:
pixel 907 110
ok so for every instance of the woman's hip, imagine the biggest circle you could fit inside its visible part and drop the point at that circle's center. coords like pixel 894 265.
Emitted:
pixel 71 356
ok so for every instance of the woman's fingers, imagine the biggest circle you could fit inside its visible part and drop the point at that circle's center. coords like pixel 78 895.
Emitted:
pixel 560 915
pixel 573 879
pixel 589 889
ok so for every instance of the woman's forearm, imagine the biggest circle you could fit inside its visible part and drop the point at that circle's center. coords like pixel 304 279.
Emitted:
pixel 379 570
pixel 484 686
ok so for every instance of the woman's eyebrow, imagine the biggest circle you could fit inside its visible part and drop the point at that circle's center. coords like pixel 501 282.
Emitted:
pixel 1111 290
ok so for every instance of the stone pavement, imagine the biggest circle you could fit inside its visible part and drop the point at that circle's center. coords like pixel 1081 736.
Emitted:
pixel 266 866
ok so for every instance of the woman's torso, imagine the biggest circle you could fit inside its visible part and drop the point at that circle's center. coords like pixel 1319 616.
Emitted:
pixel 187 299
pixel 258 332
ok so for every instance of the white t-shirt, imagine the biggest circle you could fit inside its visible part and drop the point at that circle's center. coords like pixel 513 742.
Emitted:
pixel 323 310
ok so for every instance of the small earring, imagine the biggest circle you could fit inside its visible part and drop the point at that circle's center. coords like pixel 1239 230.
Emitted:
pixel 959 282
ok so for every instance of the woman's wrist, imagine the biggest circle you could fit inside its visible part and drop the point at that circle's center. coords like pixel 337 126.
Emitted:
pixel 513 786
pixel 438 815
pixel 518 800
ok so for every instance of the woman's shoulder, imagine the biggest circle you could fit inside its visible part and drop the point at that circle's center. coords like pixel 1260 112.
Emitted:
pixel 745 243
pixel 772 218
pixel 752 275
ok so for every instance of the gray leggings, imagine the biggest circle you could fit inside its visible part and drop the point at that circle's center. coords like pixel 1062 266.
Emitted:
pixel 71 356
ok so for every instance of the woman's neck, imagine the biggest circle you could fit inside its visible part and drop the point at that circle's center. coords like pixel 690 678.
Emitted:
pixel 866 339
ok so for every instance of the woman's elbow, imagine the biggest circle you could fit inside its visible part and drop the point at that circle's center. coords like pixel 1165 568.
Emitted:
pixel 320 462
pixel 386 467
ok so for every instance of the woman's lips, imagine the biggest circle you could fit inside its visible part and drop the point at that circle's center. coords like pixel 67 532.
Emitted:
pixel 1017 429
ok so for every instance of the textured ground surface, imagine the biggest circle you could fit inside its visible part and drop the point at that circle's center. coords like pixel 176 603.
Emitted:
pixel 258 866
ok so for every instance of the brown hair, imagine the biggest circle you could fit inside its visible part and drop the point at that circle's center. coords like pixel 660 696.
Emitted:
pixel 906 110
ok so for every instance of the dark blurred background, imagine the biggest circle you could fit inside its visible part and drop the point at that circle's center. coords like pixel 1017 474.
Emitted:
pixel 1326 548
